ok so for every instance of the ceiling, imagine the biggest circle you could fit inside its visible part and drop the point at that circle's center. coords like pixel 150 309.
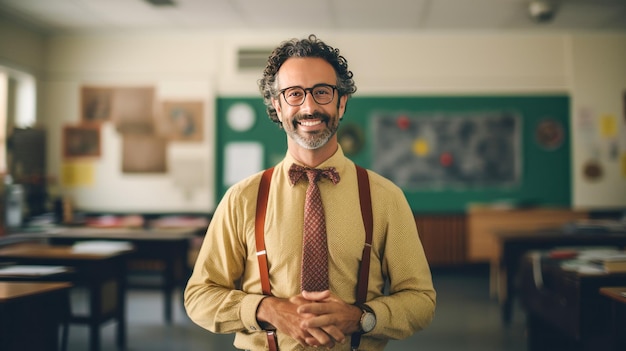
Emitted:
pixel 72 16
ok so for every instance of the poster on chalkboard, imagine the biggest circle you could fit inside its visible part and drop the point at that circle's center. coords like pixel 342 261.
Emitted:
pixel 439 150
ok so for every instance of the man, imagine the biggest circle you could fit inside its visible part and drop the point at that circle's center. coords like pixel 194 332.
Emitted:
pixel 306 85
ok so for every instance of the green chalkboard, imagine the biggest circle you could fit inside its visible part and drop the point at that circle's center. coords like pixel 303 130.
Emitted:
pixel 541 151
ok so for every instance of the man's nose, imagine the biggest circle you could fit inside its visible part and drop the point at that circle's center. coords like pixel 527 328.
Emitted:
pixel 309 105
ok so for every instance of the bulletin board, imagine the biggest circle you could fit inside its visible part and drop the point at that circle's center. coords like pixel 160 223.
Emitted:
pixel 445 152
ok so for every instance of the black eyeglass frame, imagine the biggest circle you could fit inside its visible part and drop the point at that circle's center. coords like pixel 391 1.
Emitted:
pixel 309 91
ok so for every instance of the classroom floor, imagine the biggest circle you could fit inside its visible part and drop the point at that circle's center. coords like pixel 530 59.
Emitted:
pixel 467 319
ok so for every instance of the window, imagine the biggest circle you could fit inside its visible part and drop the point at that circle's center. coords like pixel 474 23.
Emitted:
pixel 17 106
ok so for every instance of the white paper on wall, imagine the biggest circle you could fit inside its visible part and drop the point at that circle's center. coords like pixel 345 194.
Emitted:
pixel 189 174
pixel 242 159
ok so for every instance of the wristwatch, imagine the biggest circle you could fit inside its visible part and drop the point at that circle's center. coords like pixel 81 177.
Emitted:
pixel 368 319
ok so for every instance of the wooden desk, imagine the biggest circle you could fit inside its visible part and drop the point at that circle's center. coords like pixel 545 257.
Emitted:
pixel 617 296
pixel 103 274
pixel 564 308
pixel 169 248
pixel 30 315
pixel 484 222
pixel 514 244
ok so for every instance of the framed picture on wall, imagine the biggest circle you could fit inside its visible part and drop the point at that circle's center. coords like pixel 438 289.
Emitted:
pixel 96 103
pixel 81 141
pixel 134 109
pixel 182 120
pixel 143 154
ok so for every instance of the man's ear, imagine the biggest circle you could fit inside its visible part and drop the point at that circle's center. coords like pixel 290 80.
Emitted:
pixel 278 108
pixel 341 106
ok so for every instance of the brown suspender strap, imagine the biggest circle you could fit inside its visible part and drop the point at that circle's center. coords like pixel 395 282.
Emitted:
pixel 261 253
pixel 259 225
pixel 272 340
pixel 365 199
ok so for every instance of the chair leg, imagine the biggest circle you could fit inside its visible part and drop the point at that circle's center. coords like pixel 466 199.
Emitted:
pixel 65 324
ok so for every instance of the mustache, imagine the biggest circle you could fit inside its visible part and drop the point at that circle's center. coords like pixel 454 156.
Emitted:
pixel 324 117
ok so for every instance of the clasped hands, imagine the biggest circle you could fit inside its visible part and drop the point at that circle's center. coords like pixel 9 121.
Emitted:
pixel 312 318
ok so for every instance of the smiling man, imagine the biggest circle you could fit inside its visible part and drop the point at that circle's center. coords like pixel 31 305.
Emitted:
pixel 295 281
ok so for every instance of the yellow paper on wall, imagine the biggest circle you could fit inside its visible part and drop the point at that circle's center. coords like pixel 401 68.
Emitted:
pixel 77 173
pixel 608 126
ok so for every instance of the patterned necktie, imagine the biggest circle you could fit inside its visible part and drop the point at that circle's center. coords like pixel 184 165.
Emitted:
pixel 314 245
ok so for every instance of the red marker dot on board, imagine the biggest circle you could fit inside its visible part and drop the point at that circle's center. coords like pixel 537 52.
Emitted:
pixel 446 159
pixel 403 122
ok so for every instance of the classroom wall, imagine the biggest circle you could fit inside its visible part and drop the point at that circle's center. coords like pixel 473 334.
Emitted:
pixel 588 67
pixel 598 90
pixel 21 48
pixel 180 68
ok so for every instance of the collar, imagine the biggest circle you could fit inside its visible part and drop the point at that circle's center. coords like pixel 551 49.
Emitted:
pixel 337 160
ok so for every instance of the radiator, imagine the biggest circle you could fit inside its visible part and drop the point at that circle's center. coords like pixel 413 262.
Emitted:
pixel 443 238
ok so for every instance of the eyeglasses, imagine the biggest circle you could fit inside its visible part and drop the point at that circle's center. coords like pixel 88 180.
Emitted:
pixel 322 94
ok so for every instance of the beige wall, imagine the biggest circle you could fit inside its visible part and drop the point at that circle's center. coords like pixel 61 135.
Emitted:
pixel 590 68
pixel 598 90
pixel 21 48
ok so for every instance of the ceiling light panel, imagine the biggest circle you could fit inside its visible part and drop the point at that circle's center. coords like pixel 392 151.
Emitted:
pixel 389 14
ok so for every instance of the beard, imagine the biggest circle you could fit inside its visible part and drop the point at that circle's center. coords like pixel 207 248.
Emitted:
pixel 312 141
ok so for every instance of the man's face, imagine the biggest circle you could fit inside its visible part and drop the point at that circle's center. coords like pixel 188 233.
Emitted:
pixel 310 125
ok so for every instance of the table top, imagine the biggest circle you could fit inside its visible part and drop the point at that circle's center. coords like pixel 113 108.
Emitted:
pixel 14 290
pixel 135 234
pixel 126 233
pixel 33 272
pixel 43 251
pixel 617 293
pixel 548 234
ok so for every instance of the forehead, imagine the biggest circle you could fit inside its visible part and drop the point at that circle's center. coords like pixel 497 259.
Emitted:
pixel 305 72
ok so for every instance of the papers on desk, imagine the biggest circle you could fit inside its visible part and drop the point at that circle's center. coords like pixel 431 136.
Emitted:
pixel 581 266
pixel 101 246
pixel 32 270
pixel 598 253
pixel 597 260
pixel 595 226
pixel 612 263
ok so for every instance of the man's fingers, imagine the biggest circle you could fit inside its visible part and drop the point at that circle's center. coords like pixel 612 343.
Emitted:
pixel 312 308
pixel 319 338
pixel 335 333
pixel 316 295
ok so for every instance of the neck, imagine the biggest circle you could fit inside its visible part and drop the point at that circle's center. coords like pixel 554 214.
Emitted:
pixel 312 158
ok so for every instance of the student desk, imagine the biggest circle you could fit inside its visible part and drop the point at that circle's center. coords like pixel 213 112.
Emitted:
pixel 103 274
pixel 514 244
pixel 564 308
pixel 617 296
pixel 30 315
pixel 168 248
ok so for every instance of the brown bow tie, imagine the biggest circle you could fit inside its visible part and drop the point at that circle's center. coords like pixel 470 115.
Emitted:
pixel 297 172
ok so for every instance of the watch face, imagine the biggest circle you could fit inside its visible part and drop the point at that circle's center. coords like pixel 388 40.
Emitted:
pixel 368 322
